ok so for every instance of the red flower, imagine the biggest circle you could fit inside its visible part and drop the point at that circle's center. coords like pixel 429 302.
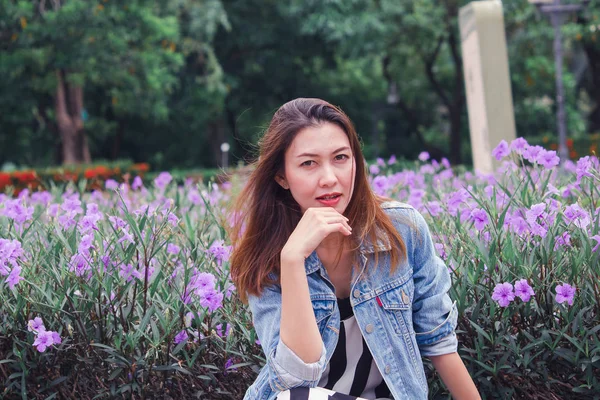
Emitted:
pixel 90 173
pixel 25 176
pixel 5 180
pixel 142 167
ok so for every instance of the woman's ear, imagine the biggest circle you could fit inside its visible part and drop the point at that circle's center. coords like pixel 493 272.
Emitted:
pixel 282 182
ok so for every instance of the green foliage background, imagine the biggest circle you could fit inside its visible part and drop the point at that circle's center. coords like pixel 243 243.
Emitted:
pixel 166 82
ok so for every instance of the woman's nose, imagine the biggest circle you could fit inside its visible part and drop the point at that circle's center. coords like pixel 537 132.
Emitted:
pixel 328 177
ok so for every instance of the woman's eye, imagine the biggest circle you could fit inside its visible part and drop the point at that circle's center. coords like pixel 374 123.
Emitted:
pixel 340 157
pixel 307 163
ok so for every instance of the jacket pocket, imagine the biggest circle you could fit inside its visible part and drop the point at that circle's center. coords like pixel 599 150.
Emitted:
pixel 397 306
pixel 396 300
pixel 323 309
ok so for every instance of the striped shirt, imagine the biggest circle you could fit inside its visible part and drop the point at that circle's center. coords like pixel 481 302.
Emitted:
pixel 352 369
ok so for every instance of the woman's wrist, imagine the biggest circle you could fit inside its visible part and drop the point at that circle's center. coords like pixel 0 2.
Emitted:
pixel 291 257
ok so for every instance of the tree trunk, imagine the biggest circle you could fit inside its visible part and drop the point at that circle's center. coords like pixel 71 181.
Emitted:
pixel 455 135
pixel 216 136
pixel 593 56
pixel 68 105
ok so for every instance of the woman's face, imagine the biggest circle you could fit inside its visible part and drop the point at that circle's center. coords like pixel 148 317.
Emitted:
pixel 320 168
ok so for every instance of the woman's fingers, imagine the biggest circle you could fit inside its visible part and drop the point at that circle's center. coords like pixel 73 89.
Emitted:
pixel 343 228
pixel 339 220
pixel 315 225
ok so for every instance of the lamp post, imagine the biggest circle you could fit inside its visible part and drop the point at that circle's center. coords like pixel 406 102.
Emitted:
pixel 224 155
pixel 557 13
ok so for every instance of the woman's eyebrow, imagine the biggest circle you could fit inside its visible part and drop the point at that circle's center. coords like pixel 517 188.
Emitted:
pixel 317 155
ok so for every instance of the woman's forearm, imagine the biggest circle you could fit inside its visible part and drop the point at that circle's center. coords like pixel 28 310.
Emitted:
pixel 455 376
pixel 298 327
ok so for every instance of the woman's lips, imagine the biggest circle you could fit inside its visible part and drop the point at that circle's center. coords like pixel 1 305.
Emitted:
pixel 330 202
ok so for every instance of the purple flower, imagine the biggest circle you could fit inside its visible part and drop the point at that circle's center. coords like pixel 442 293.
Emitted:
pixel 172 219
pixel 441 251
pixel 516 223
pixel 173 248
pixel 536 211
pixel 577 215
pixel 220 332
pixel 137 183
pixel 562 240
pixel 43 340
pixel 501 150
pixel 519 145
pixel 79 264
pixel 219 251
pixel 424 156
pixel 380 185
pixel 53 210
pixel 480 218
pixel 373 169
pixel 56 337
pixel 194 197
pixel 181 337
pixel 86 244
pixel 43 198
pixel 14 277
pixel 128 272
pixel 503 294
pixel 72 204
pixel 523 290
pixel 532 153
pixel 583 168
pixel 117 223
pixel 35 325
pixel 434 208
pixel 188 319
pixel 17 211
pixel 392 160
pixel 111 184
pixel 212 300
pixel 88 223
pixel 456 199
pixel 67 220
pixel 548 159
pixel 10 252
pixel 427 169
pixel 597 239
pixel 162 180
pixel 565 292
pixel 229 291
pixel 127 237
pixel 202 282
pixel 228 365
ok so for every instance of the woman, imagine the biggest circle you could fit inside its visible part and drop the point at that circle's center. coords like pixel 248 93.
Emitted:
pixel 345 289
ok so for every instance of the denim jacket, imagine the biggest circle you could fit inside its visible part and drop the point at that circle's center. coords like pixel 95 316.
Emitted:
pixel 402 316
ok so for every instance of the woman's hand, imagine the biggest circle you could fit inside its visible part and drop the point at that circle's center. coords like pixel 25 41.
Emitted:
pixel 315 225
pixel 298 327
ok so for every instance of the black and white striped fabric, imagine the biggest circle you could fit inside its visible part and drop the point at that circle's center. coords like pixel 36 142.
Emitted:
pixel 304 393
pixel 352 369
pixel 351 373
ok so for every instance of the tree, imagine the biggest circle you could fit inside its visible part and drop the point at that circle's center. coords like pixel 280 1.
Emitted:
pixel 63 48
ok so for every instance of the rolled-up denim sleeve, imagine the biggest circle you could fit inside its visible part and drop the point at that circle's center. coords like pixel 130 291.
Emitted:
pixel 286 369
pixel 434 314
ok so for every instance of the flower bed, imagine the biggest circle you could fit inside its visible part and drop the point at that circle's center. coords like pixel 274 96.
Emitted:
pixel 96 175
pixel 127 291
pixel 577 147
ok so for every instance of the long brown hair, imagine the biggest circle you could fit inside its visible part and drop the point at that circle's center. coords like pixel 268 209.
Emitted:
pixel 266 214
